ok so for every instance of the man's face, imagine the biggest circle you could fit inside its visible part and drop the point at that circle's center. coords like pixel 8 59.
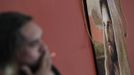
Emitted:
pixel 32 46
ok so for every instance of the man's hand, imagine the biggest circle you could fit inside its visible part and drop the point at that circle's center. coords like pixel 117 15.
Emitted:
pixel 45 64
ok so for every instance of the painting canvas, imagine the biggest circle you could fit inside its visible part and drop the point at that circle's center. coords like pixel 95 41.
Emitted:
pixel 106 28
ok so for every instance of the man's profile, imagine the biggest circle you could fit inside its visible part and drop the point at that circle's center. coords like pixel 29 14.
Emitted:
pixel 22 51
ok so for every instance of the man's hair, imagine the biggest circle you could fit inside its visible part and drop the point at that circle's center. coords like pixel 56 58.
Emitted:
pixel 10 23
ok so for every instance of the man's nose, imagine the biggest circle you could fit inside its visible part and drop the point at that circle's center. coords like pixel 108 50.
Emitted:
pixel 44 48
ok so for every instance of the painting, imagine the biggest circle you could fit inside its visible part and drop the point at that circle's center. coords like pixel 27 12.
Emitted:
pixel 106 27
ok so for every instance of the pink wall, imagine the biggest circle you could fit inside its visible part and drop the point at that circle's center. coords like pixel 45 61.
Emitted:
pixel 128 9
pixel 62 22
pixel 65 34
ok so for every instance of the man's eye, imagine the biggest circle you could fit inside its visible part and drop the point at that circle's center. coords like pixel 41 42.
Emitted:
pixel 34 43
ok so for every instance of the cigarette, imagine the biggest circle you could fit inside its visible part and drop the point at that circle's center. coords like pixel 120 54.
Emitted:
pixel 53 54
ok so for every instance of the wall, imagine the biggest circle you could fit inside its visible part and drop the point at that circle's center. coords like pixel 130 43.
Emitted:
pixel 65 34
pixel 62 22
pixel 128 11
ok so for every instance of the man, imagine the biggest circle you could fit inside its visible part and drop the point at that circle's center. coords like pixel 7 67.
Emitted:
pixel 22 51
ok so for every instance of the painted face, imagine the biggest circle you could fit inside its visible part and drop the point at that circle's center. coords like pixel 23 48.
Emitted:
pixel 32 47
